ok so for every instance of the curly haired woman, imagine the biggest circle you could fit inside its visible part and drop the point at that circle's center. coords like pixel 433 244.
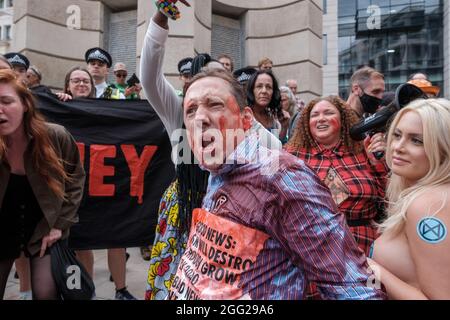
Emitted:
pixel 356 179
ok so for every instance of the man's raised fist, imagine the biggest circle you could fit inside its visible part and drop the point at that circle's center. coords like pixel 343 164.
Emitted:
pixel 169 9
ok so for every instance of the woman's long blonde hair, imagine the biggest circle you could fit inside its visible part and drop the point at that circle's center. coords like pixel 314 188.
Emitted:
pixel 43 154
pixel 435 116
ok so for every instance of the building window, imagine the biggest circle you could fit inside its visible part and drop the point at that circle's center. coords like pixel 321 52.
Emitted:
pixel 325 49
pixel 2 4
pixel 7 32
pixel 325 5
pixel 409 40
pixel 9 3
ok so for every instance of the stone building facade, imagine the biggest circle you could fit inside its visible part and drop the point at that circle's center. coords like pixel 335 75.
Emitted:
pixel 56 34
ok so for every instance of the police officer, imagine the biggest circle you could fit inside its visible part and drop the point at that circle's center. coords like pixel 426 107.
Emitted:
pixel 98 63
pixel 20 65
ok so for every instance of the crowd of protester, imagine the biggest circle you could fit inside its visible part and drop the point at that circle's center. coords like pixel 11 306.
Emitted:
pixel 331 215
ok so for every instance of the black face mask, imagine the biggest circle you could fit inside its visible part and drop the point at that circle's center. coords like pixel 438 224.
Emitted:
pixel 370 104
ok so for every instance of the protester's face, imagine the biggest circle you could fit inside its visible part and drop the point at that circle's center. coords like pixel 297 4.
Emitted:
pixel 11 110
pixel 80 84
pixel 21 73
pixel 375 87
pixel 226 63
pixel 98 69
pixel 32 79
pixel 185 78
pixel 285 101
pixel 325 124
pixel 266 66
pixel 409 159
pixel 263 90
pixel 121 76
pixel 293 86
pixel 214 123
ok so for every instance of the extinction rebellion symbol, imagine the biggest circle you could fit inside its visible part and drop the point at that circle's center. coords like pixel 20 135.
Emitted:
pixel 432 230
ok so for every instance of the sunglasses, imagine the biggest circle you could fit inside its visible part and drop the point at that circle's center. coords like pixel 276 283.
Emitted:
pixel 121 75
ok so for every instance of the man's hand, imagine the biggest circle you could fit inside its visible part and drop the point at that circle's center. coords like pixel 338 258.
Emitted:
pixel 376 143
pixel 129 91
pixel 137 88
pixel 48 241
pixel 169 9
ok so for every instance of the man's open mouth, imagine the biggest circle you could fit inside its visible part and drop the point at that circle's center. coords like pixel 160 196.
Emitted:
pixel 3 121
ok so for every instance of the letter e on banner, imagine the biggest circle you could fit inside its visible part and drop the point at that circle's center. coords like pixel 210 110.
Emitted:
pixel 137 166
pixel 98 170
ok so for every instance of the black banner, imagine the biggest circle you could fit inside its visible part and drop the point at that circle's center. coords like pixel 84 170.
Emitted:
pixel 126 154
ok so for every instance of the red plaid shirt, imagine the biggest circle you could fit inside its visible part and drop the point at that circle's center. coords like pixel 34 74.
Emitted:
pixel 365 183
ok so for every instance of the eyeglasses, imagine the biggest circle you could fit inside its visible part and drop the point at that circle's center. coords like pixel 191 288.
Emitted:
pixel 78 81
pixel 121 75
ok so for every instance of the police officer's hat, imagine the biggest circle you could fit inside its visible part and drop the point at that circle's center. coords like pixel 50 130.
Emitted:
pixel 17 59
pixel 244 74
pixel 100 55
pixel 185 65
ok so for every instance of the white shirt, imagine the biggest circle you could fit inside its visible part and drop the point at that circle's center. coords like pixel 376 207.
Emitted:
pixel 101 89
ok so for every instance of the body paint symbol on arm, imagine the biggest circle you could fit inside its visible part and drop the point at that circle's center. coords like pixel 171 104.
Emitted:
pixel 431 230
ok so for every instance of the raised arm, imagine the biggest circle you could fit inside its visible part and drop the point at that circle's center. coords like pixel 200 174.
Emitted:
pixel 159 92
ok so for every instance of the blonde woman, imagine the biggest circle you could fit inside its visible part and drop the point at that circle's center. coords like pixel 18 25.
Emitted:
pixel 411 258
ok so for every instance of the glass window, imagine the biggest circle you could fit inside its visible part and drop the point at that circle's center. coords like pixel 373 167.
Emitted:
pixel 409 41
pixel 8 32
pixel 347 8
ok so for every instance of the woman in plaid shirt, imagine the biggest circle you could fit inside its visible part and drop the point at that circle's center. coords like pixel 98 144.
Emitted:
pixel 356 179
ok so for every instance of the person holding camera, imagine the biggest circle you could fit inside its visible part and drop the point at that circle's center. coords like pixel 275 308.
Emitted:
pixel 411 256
pixel 355 178
pixel 131 89
pixel 366 91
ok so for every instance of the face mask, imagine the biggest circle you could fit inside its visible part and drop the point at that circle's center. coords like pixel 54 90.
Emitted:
pixel 370 104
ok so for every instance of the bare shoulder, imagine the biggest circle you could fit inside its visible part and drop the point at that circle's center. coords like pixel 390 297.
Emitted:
pixel 428 218
pixel 435 202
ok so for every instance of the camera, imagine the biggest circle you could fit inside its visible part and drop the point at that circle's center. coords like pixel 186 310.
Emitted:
pixel 377 122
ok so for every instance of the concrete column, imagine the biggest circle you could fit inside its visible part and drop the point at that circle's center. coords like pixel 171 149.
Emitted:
pixel 290 34
pixel 41 33
pixel 331 69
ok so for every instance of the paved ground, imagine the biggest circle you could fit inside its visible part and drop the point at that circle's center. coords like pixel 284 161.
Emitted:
pixel 136 277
